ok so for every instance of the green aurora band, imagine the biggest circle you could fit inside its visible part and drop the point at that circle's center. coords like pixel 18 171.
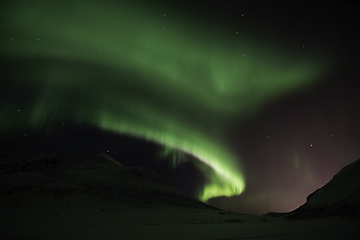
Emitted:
pixel 143 72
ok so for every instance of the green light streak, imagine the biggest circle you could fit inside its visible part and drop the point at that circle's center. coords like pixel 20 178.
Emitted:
pixel 138 72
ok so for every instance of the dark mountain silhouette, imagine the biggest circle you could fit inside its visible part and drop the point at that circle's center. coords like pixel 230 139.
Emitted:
pixel 339 197
pixel 98 177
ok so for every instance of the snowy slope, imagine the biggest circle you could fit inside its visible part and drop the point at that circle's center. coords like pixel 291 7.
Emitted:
pixel 94 190
pixel 339 197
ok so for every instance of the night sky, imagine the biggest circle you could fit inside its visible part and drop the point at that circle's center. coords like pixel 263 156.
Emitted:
pixel 248 105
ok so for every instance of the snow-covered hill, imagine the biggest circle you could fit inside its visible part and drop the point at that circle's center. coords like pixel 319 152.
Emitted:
pixel 339 197
pixel 93 189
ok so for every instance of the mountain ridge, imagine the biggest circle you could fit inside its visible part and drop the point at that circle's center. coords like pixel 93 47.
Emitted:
pixel 340 197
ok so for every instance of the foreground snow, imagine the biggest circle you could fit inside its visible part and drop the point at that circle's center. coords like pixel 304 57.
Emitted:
pixel 311 229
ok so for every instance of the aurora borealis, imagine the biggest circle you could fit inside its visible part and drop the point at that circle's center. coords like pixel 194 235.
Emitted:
pixel 184 81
